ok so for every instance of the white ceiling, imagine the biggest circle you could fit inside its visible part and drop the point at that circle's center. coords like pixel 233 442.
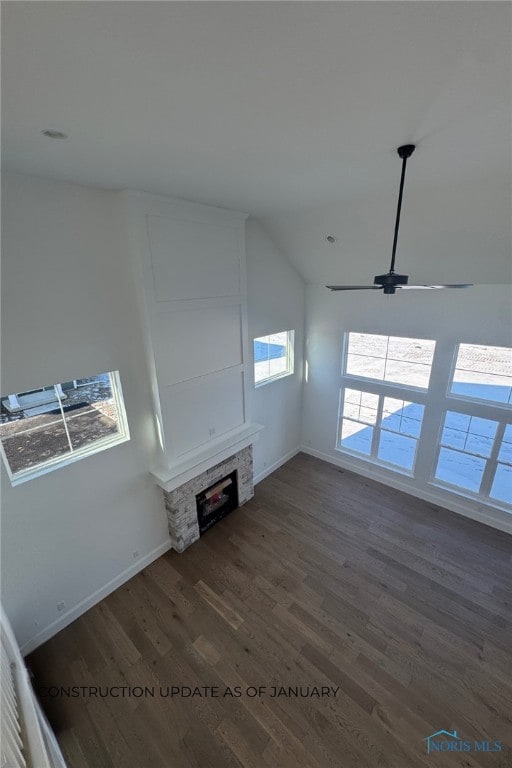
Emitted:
pixel 287 110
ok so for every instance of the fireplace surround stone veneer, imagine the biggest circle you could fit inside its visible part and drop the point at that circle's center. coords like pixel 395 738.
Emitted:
pixel 180 503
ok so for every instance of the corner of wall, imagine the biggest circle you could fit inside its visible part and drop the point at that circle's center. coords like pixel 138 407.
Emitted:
pixel 276 302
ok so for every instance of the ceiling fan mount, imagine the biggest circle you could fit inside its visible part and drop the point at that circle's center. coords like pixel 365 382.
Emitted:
pixel 390 282
pixel 406 150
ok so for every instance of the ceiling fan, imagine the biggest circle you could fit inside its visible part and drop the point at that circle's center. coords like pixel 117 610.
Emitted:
pixel 391 281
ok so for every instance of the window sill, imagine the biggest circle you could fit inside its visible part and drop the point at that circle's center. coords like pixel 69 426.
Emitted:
pixel 258 384
pixel 484 501
pixel 376 462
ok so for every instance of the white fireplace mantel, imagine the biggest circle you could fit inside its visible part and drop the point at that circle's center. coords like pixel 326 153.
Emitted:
pixel 201 459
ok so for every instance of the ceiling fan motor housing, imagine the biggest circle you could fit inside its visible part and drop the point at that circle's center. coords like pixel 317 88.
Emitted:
pixel 390 280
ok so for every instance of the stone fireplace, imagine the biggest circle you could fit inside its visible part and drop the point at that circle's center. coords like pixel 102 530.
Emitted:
pixel 181 502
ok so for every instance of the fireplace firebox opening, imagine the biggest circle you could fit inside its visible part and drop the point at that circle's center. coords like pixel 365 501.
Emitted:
pixel 217 501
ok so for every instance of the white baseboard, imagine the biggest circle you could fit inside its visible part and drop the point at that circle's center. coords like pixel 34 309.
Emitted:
pixel 492 517
pixel 88 602
pixel 279 463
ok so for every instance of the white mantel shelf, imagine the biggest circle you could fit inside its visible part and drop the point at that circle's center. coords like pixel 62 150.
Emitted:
pixel 206 456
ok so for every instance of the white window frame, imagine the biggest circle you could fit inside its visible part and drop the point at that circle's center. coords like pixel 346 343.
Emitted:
pixel 467 398
pixel 382 390
pixel 290 358
pixel 437 400
pixel 122 436
pixel 370 380
pixel 478 408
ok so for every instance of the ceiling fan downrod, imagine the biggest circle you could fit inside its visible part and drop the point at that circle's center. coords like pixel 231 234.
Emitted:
pixel 405 151
pixel 390 282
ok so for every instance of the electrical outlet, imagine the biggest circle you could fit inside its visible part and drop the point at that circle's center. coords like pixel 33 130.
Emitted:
pixel 135 555
pixel 61 606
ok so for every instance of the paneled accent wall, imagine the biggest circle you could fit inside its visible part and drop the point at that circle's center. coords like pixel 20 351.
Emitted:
pixel 191 276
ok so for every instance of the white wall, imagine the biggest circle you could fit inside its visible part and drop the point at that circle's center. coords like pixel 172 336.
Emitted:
pixel 69 311
pixel 480 315
pixel 275 302
pixel 190 266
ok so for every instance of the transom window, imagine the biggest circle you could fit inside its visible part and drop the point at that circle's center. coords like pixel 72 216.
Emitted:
pixel 395 359
pixel 46 428
pixel 483 373
pixel 273 356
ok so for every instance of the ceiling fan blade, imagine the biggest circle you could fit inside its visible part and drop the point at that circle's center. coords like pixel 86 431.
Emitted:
pixel 432 287
pixel 354 287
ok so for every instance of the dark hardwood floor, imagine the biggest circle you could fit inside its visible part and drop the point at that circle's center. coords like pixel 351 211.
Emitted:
pixel 327 580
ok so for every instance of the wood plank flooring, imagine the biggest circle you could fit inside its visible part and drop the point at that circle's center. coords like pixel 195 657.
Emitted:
pixel 325 579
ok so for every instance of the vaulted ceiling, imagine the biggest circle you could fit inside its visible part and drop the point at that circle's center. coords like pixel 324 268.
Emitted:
pixel 290 111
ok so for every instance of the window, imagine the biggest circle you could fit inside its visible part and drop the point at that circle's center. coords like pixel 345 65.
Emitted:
pixel 466 444
pixel 46 428
pixel 501 488
pixel 359 415
pixel 384 428
pixel 386 396
pixel 389 358
pixel 475 454
pixel 475 446
pixel 483 373
pixel 400 431
pixel 381 424
pixel 273 356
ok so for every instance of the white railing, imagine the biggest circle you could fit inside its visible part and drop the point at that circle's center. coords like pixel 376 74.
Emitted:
pixel 27 740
